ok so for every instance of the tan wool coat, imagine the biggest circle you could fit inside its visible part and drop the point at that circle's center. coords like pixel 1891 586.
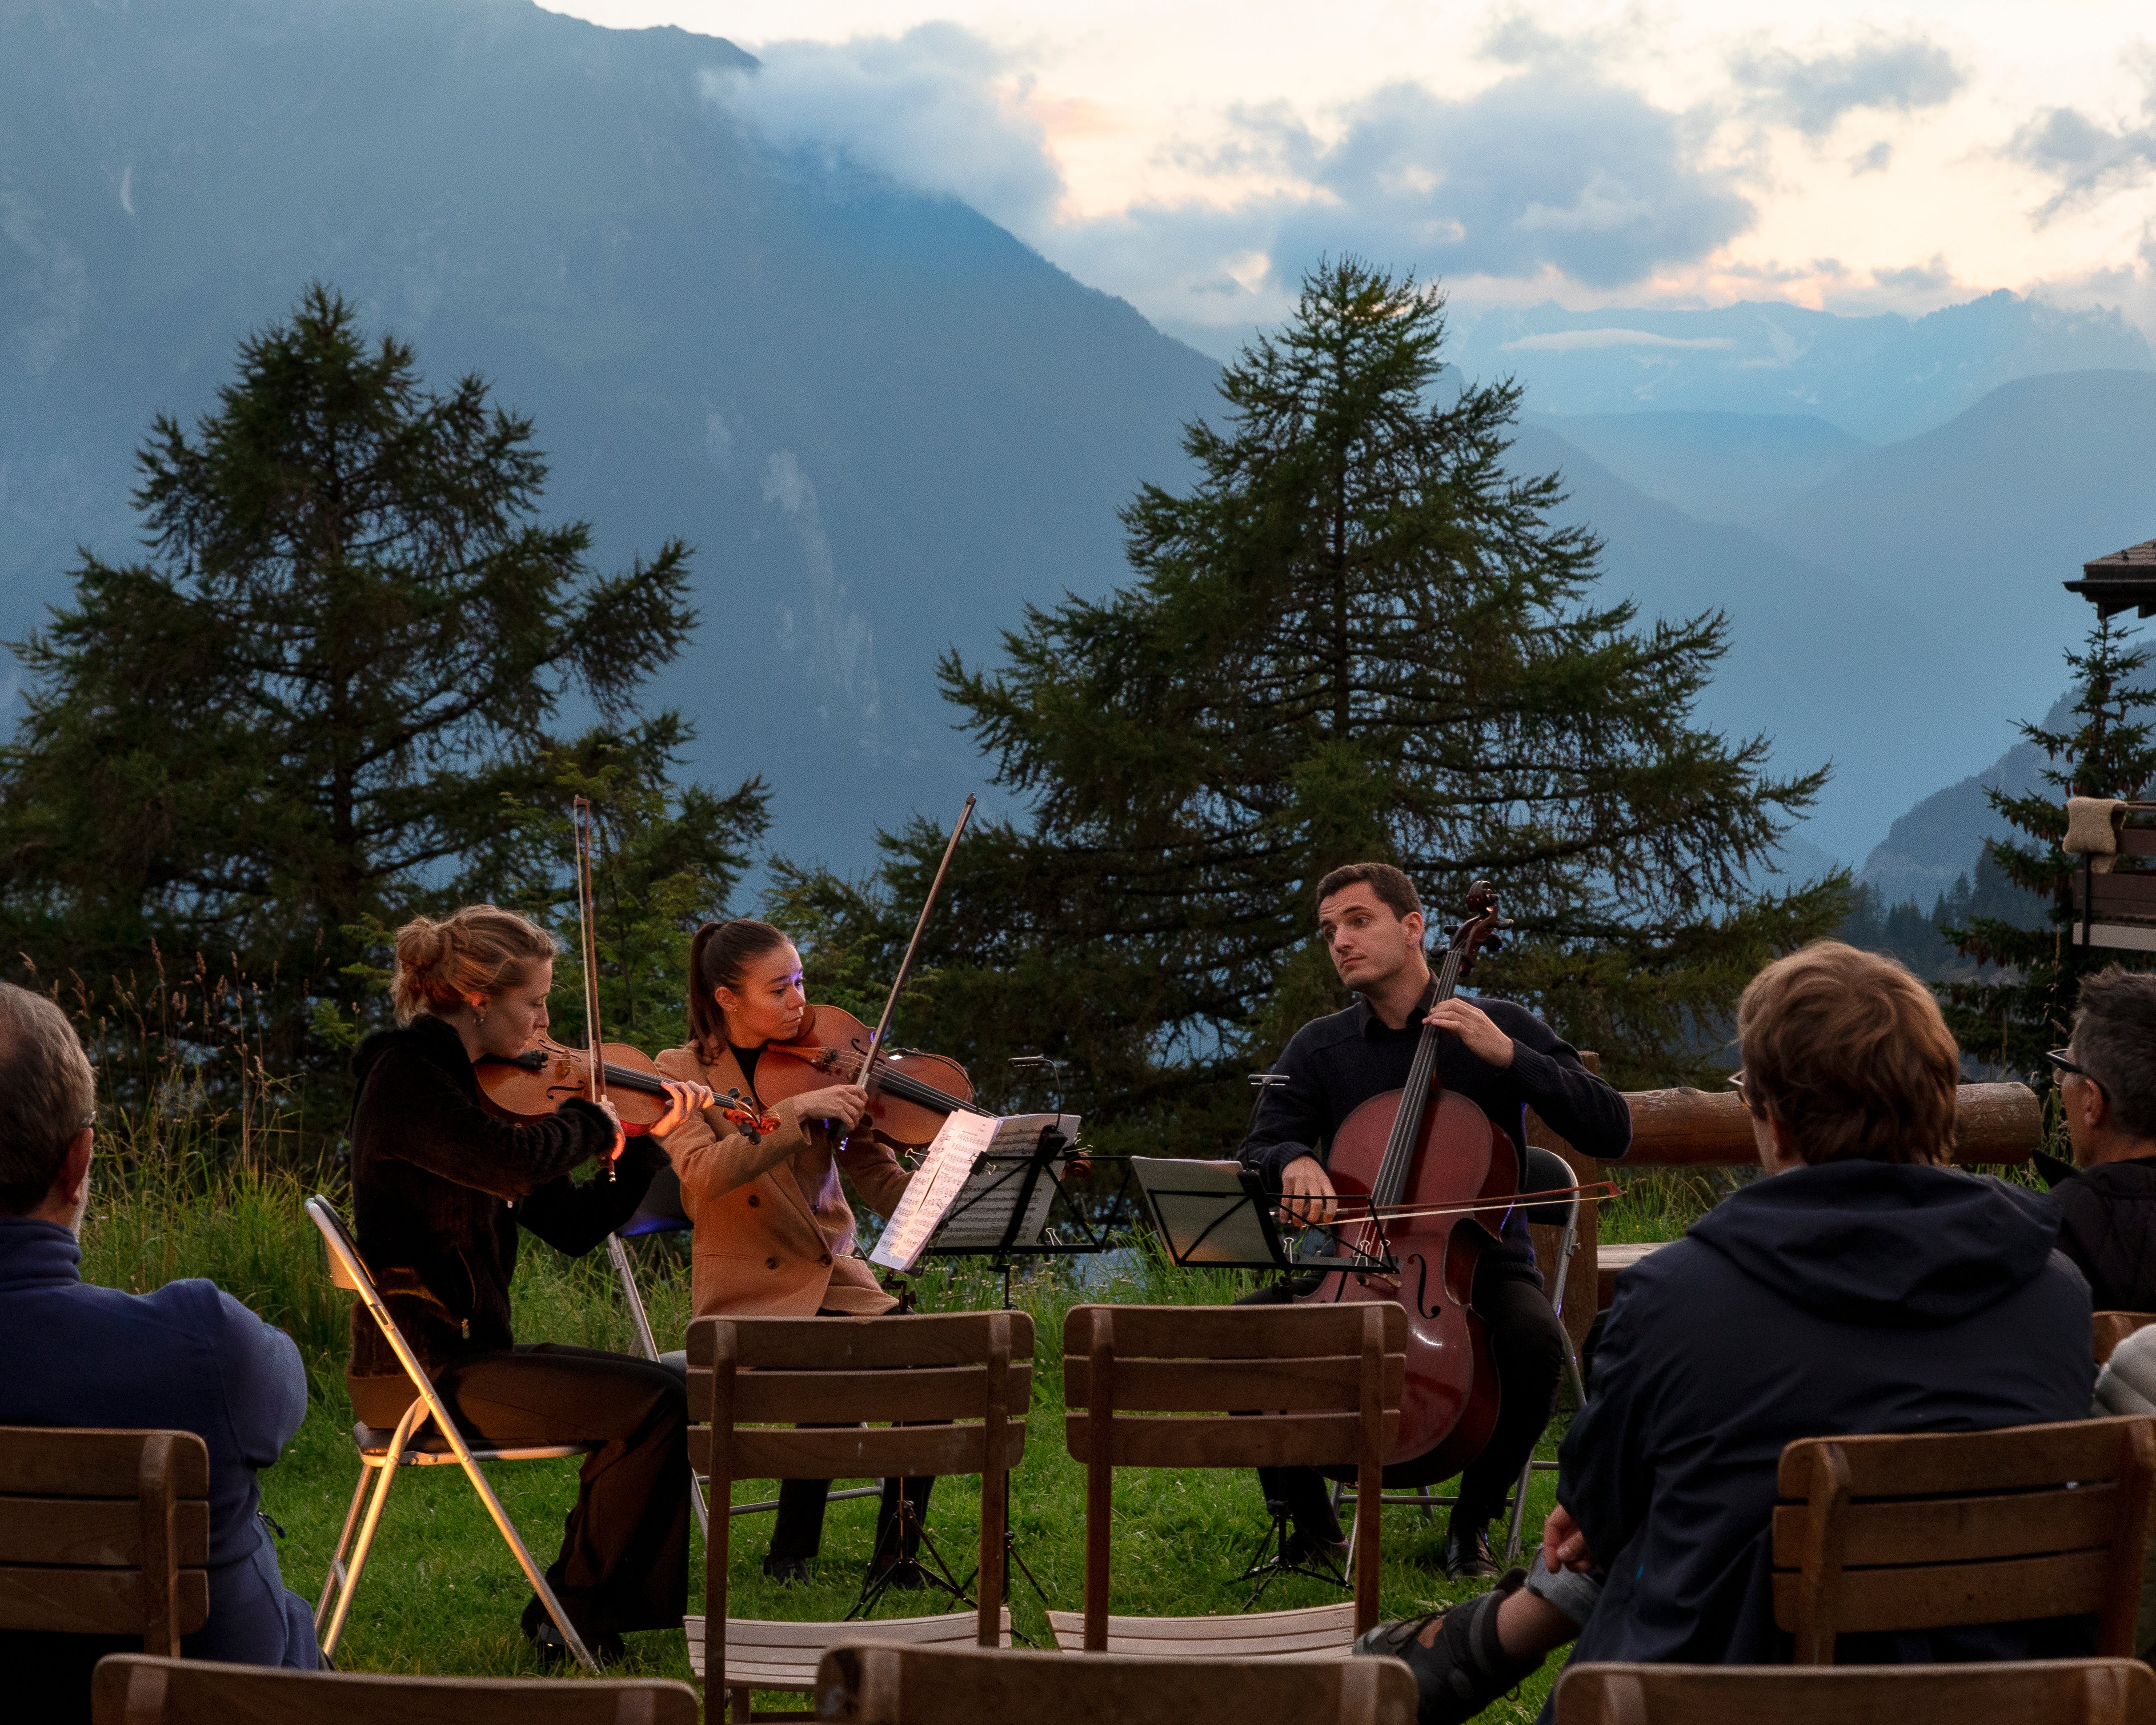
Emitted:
pixel 774 1234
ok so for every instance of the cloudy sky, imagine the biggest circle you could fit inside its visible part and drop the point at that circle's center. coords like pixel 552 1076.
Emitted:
pixel 1194 154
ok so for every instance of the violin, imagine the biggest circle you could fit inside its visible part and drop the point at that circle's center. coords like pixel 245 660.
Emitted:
pixel 910 1093
pixel 534 1084
pixel 1418 1169
pixel 531 1086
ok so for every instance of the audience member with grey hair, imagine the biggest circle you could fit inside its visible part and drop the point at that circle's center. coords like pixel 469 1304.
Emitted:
pixel 185 1358
pixel 2107 1089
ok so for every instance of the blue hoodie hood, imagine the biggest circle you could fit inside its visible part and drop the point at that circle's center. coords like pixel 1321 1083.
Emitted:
pixel 1885 1243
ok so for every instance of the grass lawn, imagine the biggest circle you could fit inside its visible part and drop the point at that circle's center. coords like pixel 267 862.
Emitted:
pixel 441 1593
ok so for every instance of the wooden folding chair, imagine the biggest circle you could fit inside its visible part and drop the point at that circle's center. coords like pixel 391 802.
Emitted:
pixel 439 1444
pixel 104 1533
pixel 1326 1381
pixel 131 1690
pixel 963 1379
pixel 1931 1530
pixel 2050 1691
pixel 867 1685
pixel 2107 1329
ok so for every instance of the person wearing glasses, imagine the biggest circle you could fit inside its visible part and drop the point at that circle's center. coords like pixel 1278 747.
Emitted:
pixel 2106 1079
pixel 1867 1285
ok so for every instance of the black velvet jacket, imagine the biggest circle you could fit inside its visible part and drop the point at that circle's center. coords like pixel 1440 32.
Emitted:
pixel 440 1187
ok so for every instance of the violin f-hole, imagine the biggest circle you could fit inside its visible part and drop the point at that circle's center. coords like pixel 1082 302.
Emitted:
pixel 1421 1262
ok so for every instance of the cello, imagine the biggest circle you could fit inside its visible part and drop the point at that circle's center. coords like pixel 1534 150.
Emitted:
pixel 1417 1167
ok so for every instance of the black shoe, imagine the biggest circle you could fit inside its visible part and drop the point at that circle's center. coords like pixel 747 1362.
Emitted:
pixel 1459 1666
pixel 901 1572
pixel 786 1572
pixel 605 1645
pixel 1467 1552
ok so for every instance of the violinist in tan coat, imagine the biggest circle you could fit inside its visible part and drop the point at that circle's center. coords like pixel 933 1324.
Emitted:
pixel 774 1234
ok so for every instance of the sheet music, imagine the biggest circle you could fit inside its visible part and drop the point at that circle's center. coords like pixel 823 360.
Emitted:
pixel 934 1188
pixel 962 1197
pixel 980 1217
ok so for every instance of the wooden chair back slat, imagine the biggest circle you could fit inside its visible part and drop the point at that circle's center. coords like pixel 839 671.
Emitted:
pixel 2052 1692
pixel 105 1532
pixel 1189 1386
pixel 852 1452
pixel 1222 1332
pixel 1135 1384
pixel 2107 1329
pixel 771 1397
pixel 131 1690
pixel 1252 1440
pixel 854 1344
pixel 98 1532
pixel 1956 1594
pixel 885 1685
pixel 91 1461
pixel 2013 1458
pixel 1939 1529
pixel 1965 1530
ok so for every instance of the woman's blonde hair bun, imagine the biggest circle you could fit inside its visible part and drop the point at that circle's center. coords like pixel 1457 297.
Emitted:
pixel 478 950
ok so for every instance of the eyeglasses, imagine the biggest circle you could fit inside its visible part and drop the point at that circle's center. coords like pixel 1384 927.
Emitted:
pixel 2061 1059
pixel 1737 1083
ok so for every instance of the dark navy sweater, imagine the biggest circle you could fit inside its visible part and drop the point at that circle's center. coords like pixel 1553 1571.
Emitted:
pixel 1336 1063
pixel 185 1359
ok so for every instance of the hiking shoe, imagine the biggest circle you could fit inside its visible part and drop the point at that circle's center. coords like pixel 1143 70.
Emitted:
pixel 1459 1666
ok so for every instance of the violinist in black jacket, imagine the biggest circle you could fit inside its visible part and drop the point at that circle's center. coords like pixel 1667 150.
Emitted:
pixel 441 1188
pixel 2107 1089
pixel 1501 1057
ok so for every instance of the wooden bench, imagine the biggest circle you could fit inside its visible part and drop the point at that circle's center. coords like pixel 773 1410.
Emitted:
pixel 132 1690
pixel 2050 1691
pixel 909 1685
pixel 1932 1530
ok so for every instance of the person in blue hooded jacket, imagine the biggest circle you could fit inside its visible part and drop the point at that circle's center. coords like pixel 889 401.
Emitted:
pixel 187 1357
pixel 1866 1285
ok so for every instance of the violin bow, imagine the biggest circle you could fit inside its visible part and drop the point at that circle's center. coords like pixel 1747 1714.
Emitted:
pixel 580 826
pixel 913 946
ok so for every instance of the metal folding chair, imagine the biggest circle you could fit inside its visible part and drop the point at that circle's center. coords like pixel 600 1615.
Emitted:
pixel 382 1452
pixel 1547 1172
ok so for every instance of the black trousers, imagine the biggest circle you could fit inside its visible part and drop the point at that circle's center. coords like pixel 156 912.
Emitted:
pixel 624 1557
pixel 799 1532
pixel 1528 1344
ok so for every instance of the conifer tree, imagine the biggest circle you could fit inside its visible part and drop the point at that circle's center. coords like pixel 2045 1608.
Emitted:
pixel 315 700
pixel 1358 636
pixel 2008 1019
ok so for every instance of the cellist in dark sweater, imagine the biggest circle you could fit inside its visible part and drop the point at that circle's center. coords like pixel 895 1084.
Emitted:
pixel 1501 1058
pixel 441 1188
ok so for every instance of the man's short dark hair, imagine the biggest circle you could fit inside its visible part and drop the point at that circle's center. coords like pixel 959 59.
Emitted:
pixel 2115 1039
pixel 1394 890
pixel 47 1091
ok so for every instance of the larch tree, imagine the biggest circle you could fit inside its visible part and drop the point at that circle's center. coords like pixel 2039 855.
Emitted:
pixel 1358 635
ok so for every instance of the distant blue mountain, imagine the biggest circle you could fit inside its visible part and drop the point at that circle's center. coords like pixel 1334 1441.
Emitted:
pixel 1880 378
pixel 1727 468
pixel 882 420
pixel 1830 671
